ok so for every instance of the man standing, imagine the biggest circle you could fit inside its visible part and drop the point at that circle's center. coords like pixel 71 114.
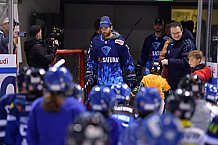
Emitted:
pixel 4 36
pixel 152 46
pixel 108 53
pixel 177 51
pixel 38 55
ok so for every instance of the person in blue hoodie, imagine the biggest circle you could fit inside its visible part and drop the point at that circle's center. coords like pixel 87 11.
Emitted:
pixel 176 57
pixel 107 56
pixel 102 99
pixel 52 114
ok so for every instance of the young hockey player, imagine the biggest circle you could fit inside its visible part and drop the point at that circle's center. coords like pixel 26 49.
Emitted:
pixel 51 114
pixel 19 108
pixel 147 101
pixel 182 105
pixel 160 129
pixel 108 54
pixel 89 129
pixel 122 110
pixel 6 100
pixel 193 84
pixel 211 96
pixel 102 99
pixel 154 80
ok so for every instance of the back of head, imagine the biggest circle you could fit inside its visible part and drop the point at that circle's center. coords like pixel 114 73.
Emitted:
pixel 161 129
pixel 155 68
pixel 147 100
pixel 34 29
pixel 88 129
pixel 21 78
pixel 34 81
pixel 58 80
pixel 193 84
pixel 102 99
pixel 211 93
pixel 122 91
pixel 181 104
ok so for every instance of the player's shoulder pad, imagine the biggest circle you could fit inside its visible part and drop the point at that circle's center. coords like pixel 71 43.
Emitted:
pixel 119 41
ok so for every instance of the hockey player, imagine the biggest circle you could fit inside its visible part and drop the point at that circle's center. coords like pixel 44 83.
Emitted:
pixel 52 113
pixel 108 54
pixel 122 110
pixel 6 100
pixel 153 44
pixel 160 129
pixel 154 79
pixel 182 105
pixel 102 99
pixel 211 137
pixel 19 108
pixel 193 84
pixel 147 101
pixel 211 96
pixel 89 129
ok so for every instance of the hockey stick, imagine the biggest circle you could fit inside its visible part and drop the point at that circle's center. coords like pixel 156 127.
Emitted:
pixel 133 27
pixel 59 63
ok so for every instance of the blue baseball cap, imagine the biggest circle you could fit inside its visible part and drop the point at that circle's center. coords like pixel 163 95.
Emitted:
pixel 105 22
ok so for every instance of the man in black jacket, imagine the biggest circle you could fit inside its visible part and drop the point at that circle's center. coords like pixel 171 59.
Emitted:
pixel 177 51
pixel 37 53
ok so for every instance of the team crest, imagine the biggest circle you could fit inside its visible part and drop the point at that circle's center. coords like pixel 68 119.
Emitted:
pixel 106 50
pixel 156 45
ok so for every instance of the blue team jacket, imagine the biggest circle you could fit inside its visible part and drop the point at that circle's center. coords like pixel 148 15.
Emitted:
pixel 47 128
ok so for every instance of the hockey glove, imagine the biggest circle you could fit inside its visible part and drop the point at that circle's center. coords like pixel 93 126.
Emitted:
pixel 131 80
pixel 138 69
pixel 89 77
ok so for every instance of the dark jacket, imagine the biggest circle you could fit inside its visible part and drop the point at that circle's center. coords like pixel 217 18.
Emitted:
pixel 177 58
pixel 37 54
pixel 202 71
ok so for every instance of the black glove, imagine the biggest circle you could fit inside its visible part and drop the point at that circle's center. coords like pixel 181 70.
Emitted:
pixel 138 69
pixel 131 80
pixel 90 77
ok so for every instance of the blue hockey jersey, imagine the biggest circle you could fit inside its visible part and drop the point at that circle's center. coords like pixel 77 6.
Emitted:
pixel 50 128
pixel 17 119
pixel 151 49
pixel 5 103
pixel 107 57
pixel 125 113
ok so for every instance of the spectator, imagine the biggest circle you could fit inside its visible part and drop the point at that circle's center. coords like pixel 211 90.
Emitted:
pixel 197 67
pixel 177 51
pixel 4 36
pixel 37 53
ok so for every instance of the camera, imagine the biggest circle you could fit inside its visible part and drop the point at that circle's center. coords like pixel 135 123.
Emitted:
pixel 54 38
pixel 21 34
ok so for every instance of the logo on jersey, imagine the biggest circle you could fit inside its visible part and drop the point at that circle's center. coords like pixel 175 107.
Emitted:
pixel 156 45
pixel 120 42
pixel 110 59
pixel 106 49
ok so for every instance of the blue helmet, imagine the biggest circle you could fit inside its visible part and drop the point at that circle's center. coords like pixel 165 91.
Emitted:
pixel 211 93
pixel 161 129
pixel 34 79
pixel 102 99
pixel 122 91
pixel 147 99
pixel 77 92
pixel 58 79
